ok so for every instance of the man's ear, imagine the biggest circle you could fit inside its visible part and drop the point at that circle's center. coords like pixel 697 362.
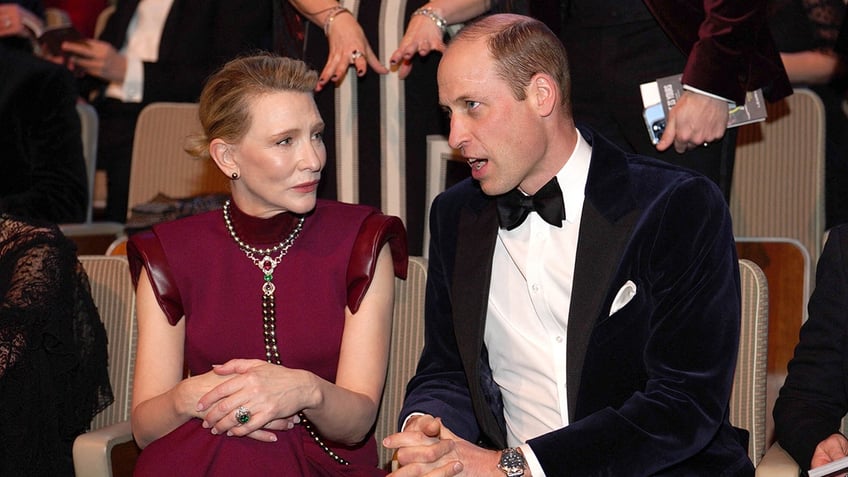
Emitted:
pixel 221 152
pixel 544 92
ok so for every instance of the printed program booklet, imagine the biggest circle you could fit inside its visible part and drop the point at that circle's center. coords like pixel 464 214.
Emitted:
pixel 659 96
pixel 837 468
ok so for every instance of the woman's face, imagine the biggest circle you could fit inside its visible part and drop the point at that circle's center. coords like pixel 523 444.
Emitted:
pixel 279 160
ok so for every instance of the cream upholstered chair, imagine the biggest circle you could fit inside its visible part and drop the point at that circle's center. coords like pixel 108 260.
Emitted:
pixel 113 293
pixel 407 342
pixel 748 398
pixel 778 178
pixel 160 165
pixel 89 124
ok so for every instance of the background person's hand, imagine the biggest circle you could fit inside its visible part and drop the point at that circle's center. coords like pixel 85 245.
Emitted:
pixel 96 58
pixel 14 19
pixel 695 121
pixel 833 448
pixel 345 37
pixel 422 37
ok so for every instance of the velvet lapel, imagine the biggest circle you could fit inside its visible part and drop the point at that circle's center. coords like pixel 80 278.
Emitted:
pixel 476 236
pixel 605 228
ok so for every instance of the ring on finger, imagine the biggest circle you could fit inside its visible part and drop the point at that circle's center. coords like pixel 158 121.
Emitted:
pixel 356 55
pixel 242 415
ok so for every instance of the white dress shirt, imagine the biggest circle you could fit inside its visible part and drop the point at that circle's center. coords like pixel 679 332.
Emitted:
pixel 527 317
pixel 142 44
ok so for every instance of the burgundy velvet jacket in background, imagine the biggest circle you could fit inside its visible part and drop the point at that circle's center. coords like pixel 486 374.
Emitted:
pixel 721 36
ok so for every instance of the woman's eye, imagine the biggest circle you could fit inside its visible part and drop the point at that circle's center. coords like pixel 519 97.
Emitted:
pixel 319 136
pixel 284 142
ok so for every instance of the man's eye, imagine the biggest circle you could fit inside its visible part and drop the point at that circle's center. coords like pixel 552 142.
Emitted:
pixel 472 104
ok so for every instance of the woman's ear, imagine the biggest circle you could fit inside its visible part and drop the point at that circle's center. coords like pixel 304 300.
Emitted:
pixel 222 153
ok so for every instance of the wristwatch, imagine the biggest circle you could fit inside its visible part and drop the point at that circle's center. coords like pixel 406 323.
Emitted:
pixel 512 462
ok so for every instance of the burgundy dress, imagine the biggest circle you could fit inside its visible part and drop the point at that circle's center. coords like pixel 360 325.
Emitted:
pixel 199 272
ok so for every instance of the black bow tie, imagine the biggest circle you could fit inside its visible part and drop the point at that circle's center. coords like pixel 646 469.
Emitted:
pixel 514 206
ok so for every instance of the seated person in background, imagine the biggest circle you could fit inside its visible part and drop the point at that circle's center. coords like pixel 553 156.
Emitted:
pixel 809 409
pixel 83 13
pixel 44 172
pixel 280 305
pixel 53 359
pixel 163 50
pixel 807 32
pixel 598 336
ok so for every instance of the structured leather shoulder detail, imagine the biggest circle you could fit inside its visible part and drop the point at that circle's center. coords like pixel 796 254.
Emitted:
pixel 144 252
pixel 377 230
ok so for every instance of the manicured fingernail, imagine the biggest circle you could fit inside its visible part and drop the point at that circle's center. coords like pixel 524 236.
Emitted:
pixel 229 434
pixel 205 425
pixel 214 431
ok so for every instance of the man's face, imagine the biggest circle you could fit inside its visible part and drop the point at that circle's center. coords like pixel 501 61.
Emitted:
pixel 500 137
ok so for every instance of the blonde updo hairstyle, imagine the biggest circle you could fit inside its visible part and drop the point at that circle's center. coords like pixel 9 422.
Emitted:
pixel 225 100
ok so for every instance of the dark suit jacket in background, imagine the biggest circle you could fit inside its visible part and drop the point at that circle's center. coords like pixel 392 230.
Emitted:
pixel 649 386
pixel 198 37
pixel 44 173
pixel 722 47
pixel 815 396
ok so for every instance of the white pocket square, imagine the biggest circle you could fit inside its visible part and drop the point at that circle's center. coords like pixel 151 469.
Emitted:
pixel 623 297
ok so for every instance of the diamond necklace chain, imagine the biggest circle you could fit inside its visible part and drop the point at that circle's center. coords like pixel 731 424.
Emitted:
pixel 266 265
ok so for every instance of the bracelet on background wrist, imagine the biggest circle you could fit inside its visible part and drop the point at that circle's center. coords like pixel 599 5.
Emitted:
pixel 332 16
pixel 437 19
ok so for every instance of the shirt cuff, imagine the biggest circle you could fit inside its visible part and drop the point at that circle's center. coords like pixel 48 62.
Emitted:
pixel 532 461
pixel 410 416
pixel 714 96
pixel 131 90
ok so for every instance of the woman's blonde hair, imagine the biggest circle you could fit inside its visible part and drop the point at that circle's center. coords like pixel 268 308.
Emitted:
pixel 224 103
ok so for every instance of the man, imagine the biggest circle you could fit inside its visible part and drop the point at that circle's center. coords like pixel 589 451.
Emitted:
pixel 602 342
pixel 808 413
pixel 723 48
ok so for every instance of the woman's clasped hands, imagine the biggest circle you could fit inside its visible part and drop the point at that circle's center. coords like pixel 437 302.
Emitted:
pixel 252 398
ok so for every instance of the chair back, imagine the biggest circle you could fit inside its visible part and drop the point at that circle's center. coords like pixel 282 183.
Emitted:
pixel 159 162
pixel 778 178
pixel 89 126
pixel 407 342
pixel 113 293
pixel 748 397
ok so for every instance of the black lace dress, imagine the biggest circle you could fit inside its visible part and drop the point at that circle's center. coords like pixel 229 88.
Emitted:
pixel 53 358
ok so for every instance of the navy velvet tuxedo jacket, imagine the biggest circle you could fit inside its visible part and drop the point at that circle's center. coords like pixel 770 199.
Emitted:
pixel 648 387
pixel 198 37
pixel 814 398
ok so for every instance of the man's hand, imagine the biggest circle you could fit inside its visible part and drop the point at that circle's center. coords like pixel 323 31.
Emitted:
pixel 695 121
pixel 428 448
pixel 833 448
pixel 96 58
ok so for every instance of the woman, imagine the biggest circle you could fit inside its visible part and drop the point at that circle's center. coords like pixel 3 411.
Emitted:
pixel 278 306
pixel 53 360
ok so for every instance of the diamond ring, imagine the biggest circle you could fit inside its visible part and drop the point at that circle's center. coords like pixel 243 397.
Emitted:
pixel 355 55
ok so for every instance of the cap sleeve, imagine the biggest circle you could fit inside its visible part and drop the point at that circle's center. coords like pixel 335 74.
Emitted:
pixel 144 252
pixel 376 230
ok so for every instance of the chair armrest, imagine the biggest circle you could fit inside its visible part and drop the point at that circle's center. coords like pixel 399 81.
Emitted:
pixel 777 463
pixel 93 450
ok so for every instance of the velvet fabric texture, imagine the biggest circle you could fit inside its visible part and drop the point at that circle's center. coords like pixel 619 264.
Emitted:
pixel 813 399
pixel 648 387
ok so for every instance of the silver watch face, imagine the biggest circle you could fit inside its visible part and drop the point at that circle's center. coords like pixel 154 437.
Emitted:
pixel 512 463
